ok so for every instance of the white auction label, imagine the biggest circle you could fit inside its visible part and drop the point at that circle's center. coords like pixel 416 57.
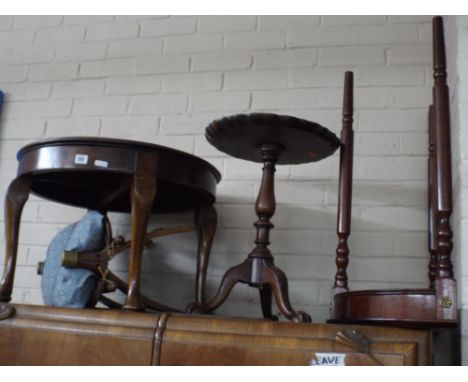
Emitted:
pixel 328 359
pixel 81 159
pixel 101 163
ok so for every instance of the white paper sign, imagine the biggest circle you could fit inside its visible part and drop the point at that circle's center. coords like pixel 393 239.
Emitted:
pixel 328 359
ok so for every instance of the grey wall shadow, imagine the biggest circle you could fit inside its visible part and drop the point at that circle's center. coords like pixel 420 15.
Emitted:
pixel 162 273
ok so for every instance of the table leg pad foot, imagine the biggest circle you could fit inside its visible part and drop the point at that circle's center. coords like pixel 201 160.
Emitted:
pixel 6 311
pixel 301 316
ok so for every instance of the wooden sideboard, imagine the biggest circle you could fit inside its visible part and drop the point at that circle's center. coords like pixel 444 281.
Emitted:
pixel 38 335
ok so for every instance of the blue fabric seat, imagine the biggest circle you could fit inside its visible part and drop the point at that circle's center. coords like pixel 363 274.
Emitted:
pixel 72 287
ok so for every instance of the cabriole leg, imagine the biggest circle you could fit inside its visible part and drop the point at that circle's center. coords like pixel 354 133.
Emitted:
pixel 17 195
pixel 205 221
pixel 143 192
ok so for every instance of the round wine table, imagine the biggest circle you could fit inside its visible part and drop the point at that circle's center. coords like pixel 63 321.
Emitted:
pixel 269 139
pixel 113 175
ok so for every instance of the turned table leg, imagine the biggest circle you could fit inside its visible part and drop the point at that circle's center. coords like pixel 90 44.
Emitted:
pixel 16 197
pixel 143 192
pixel 205 221
pixel 264 273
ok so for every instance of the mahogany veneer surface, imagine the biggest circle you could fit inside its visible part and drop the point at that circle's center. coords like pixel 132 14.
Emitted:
pixel 102 180
pixel 37 335
pixel 397 307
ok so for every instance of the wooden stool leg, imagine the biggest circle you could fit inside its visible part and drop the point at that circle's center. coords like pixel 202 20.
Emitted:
pixel 279 284
pixel 17 195
pixel 205 220
pixel 142 196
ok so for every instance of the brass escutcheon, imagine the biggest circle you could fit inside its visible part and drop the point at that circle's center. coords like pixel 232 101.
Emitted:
pixel 445 302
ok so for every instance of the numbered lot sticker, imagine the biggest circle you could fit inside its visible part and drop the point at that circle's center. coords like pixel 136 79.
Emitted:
pixel 81 159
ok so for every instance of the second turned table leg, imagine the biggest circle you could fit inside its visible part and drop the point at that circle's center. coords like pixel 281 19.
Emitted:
pixel 143 192
pixel 205 220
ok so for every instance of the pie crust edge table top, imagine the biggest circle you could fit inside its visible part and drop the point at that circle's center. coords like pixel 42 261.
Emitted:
pixel 241 136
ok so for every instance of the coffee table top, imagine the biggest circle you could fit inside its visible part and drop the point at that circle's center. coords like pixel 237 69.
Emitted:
pixel 96 173
pixel 241 135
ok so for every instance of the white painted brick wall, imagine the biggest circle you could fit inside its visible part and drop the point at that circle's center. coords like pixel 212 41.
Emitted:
pixel 33 22
pixel 107 68
pixel 193 44
pixel 58 127
pixel 222 24
pixel 162 64
pixel 60 35
pixel 80 52
pixel 78 89
pixel 258 40
pixel 221 61
pixel 112 31
pixel 163 79
pixel 168 26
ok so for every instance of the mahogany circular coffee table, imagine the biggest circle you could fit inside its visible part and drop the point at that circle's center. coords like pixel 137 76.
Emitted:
pixel 270 139
pixel 114 175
